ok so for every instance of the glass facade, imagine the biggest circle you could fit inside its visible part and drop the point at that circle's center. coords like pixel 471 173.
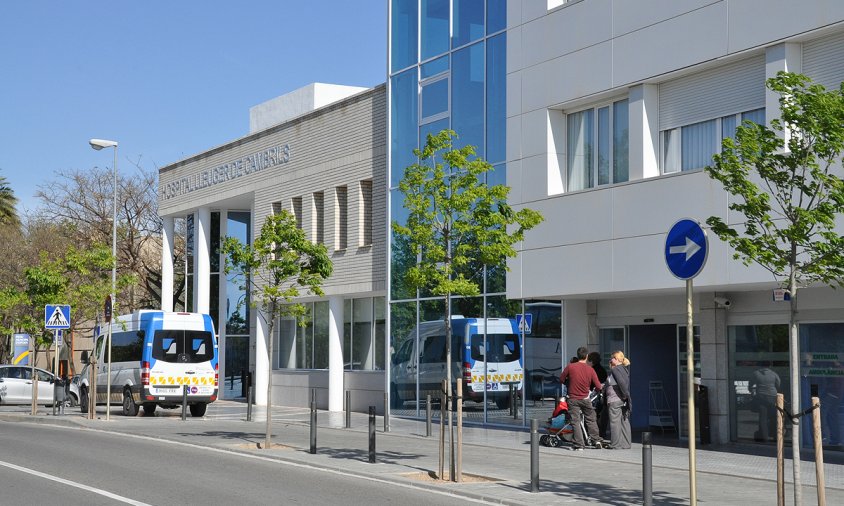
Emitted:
pixel 453 80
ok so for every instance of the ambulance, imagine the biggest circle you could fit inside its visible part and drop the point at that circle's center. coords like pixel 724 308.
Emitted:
pixel 157 358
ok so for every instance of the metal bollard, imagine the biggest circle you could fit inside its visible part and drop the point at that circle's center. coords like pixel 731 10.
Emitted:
pixel 647 470
pixel 510 395
pixel 534 455
pixel 184 402
pixel 249 401
pixel 371 434
pixel 386 413
pixel 348 409
pixel 313 421
pixel 514 403
pixel 428 416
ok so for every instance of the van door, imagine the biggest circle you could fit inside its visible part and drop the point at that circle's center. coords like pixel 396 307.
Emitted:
pixel 182 357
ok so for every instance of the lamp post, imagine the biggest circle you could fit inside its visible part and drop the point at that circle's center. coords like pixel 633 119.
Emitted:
pixel 99 144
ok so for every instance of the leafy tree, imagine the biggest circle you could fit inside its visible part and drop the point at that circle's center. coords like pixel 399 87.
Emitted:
pixel 84 201
pixel 784 183
pixel 455 221
pixel 278 267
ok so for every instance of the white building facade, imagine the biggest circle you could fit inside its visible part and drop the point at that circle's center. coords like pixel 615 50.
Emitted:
pixel 608 111
pixel 319 153
pixel 613 110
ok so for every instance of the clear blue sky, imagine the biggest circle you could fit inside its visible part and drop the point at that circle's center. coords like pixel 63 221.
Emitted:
pixel 164 78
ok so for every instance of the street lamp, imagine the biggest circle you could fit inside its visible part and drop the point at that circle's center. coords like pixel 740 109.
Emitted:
pixel 99 144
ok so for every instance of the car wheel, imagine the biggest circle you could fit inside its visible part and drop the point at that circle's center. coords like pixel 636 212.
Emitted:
pixel 149 408
pixel 129 406
pixel 83 400
pixel 198 410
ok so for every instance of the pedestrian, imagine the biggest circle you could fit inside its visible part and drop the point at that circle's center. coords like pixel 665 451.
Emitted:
pixel 764 385
pixel 581 379
pixel 618 403
pixel 594 359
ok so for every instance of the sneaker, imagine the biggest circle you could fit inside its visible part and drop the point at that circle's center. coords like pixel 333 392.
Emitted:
pixel 577 448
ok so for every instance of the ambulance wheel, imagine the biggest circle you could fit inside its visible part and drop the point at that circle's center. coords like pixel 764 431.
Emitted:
pixel 83 399
pixel 129 406
pixel 149 408
pixel 198 410
pixel 545 440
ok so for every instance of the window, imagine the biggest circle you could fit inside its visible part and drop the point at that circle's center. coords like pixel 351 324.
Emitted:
pixel 691 147
pixel 404 23
pixel 434 27
pixel 468 22
pixel 365 218
pixel 319 218
pixel 341 229
pixel 597 144
pixel 434 99
pixel 182 346
pixel 467 97
pixel 126 346
pixel 296 204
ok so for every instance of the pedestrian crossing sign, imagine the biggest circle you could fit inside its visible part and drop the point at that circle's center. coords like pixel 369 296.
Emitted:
pixel 57 316
pixel 524 322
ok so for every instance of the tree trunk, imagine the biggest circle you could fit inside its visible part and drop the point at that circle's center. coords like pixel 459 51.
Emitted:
pixel 794 344
pixel 270 325
pixel 449 392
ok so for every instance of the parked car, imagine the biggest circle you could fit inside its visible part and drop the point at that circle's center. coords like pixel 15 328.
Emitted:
pixel 16 386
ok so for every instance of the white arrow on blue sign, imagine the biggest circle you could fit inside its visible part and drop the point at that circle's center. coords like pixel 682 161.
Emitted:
pixel 57 316
pixel 686 249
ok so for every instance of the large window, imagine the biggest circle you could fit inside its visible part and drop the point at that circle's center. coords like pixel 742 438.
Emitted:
pixel 434 28
pixel 691 147
pixel 403 22
pixel 597 146
pixel 363 334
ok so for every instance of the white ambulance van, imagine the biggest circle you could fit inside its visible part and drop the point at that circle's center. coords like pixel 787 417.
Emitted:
pixel 155 357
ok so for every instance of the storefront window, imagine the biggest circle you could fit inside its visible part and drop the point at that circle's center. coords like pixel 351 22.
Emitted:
pixel 822 376
pixel 758 355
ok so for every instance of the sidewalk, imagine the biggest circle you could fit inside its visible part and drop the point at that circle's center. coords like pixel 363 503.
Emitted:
pixel 496 463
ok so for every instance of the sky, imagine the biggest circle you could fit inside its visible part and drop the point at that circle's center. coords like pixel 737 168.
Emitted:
pixel 166 79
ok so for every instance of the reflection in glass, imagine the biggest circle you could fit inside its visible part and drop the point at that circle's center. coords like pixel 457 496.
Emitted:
pixel 434 98
pixel 237 295
pixel 433 67
pixel 496 98
pixel 468 21
pixel 496 15
pixel 434 28
pixel 320 324
pixel 467 97
pixel 580 149
pixel 822 376
pixel 403 376
pixel 214 250
pixel 404 29
pixel 620 142
pixel 604 145
pixel 404 122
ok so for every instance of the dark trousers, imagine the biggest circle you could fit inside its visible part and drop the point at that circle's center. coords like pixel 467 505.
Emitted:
pixel 582 408
pixel 767 407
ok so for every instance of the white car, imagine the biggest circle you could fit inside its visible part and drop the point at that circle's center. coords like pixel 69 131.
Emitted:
pixel 16 386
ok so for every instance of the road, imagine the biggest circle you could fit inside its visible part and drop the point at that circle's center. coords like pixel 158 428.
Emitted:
pixel 59 465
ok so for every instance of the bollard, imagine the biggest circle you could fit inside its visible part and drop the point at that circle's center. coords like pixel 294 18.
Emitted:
pixel 313 421
pixel 244 384
pixel 371 434
pixel 510 395
pixel 184 402
pixel 386 413
pixel 647 470
pixel 428 416
pixel 515 404
pixel 534 455
pixel 249 403
pixel 348 409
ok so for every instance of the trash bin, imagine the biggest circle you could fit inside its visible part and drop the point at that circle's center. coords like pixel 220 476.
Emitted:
pixel 704 423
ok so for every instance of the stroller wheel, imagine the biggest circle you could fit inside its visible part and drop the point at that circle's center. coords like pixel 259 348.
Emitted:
pixel 558 442
pixel 545 440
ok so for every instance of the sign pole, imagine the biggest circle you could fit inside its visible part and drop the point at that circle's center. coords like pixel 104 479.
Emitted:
pixel 32 375
pixel 690 375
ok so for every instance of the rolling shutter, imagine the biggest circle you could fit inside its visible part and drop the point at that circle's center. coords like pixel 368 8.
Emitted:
pixel 727 89
pixel 823 60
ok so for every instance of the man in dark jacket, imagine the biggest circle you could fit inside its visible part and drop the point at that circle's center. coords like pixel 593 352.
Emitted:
pixel 581 379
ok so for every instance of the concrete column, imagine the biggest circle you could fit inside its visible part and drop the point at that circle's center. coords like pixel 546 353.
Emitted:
pixel 643 151
pixel 335 353
pixel 202 269
pixel 262 364
pixel 787 57
pixel 167 230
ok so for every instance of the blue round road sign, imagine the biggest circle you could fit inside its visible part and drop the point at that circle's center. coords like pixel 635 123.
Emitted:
pixel 686 249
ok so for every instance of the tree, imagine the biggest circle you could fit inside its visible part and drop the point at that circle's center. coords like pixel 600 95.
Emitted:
pixel 278 267
pixel 783 183
pixel 8 201
pixel 83 199
pixel 455 224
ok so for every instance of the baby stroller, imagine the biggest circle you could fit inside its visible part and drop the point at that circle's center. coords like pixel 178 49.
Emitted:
pixel 560 430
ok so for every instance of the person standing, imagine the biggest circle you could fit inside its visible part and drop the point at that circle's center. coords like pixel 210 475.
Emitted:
pixel 581 379
pixel 618 402
pixel 594 360
pixel 764 385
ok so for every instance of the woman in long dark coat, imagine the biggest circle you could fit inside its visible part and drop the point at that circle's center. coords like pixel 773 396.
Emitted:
pixel 618 402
